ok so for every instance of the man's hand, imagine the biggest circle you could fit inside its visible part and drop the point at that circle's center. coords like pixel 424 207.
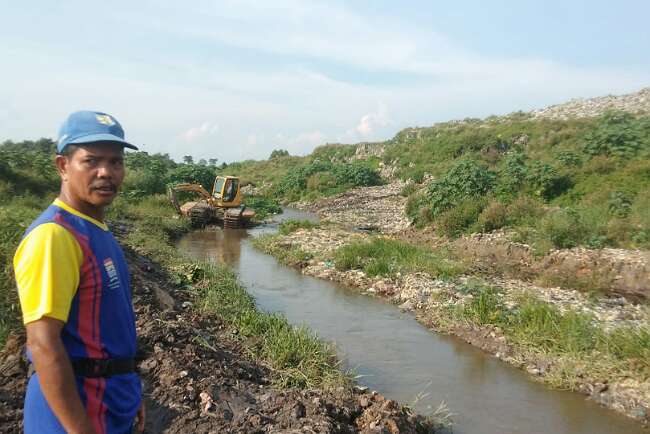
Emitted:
pixel 140 417
pixel 55 375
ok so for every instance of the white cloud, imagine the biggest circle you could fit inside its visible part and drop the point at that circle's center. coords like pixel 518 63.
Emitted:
pixel 371 121
pixel 204 130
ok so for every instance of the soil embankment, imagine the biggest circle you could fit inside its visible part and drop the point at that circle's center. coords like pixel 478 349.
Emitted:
pixel 200 377
pixel 515 274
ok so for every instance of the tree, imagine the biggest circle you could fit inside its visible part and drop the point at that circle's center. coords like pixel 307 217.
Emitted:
pixel 279 153
pixel 187 159
pixel 213 161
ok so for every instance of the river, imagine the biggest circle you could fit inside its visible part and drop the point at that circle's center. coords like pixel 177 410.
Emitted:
pixel 395 355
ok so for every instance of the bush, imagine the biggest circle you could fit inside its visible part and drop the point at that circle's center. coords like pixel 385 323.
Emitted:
pixel 525 210
pixel 277 153
pixel 356 174
pixel 513 174
pixel 263 206
pixel 193 173
pixel 493 217
pixel 618 134
pixel 467 179
pixel 564 228
pixel 547 181
pixel 619 204
pixel 458 219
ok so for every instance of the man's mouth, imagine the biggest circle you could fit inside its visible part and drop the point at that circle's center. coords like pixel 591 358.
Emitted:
pixel 105 189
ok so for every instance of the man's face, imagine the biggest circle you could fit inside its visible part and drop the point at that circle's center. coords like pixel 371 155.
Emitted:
pixel 93 173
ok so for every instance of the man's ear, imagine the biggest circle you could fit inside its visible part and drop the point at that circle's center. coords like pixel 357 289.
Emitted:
pixel 61 162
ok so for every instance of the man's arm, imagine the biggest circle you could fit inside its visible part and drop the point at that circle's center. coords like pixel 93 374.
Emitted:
pixel 56 376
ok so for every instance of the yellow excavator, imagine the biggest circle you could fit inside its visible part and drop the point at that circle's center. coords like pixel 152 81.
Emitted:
pixel 223 205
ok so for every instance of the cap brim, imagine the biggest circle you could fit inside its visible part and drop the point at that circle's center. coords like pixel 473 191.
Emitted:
pixel 91 138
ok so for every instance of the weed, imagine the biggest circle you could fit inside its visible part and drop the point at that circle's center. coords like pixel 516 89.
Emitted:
pixel 292 225
pixel 385 257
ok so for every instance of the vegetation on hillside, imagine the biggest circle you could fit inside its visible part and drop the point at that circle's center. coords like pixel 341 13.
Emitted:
pixel 557 183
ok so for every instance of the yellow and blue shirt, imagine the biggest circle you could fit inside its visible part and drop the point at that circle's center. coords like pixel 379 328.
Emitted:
pixel 69 267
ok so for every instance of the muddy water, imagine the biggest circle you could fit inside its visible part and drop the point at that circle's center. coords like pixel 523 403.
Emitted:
pixel 401 359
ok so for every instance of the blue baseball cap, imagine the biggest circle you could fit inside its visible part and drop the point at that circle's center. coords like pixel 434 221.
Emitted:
pixel 87 127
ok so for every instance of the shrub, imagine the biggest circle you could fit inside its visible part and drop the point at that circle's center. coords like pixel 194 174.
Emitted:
pixel 564 228
pixel 547 181
pixel 619 204
pixel 193 173
pixel 525 210
pixel 513 174
pixel 618 134
pixel 493 217
pixel 569 159
pixel 263 206
pixel 458 219
pixel 357 174
pixel 277 153
pixel 465 180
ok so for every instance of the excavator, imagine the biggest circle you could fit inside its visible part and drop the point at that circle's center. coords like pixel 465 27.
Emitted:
pixel 223 205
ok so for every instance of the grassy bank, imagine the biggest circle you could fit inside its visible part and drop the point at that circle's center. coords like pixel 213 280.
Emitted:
pixel 300 357
pixel 567 348
pixel 577 347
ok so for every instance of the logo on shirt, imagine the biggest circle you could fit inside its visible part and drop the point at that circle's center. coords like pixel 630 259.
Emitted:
pixel 111 272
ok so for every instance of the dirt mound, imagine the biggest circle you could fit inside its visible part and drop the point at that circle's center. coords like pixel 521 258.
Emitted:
pixel 200 377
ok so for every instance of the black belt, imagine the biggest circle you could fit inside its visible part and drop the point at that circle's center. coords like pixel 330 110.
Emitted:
pixel 94 368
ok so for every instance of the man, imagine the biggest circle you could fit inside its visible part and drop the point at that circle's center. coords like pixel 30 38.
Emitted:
pixel 74 292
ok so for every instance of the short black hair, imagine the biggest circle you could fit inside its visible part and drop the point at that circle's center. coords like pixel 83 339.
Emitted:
pixel 69 150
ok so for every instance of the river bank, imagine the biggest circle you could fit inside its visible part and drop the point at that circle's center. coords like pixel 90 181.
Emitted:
pixel 592 342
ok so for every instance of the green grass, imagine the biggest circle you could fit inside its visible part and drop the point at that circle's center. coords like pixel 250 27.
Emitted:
pixel 292 225
pixel 539 327
pixel 297 354
pixel 385 257
pixel 288 255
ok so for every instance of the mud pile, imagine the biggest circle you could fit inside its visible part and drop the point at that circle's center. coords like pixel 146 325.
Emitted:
pixel 199 377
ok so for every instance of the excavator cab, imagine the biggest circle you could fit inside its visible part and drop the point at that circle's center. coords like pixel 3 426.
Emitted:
pixel 226 191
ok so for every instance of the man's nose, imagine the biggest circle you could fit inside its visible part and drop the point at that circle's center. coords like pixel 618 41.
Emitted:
pixel 104 171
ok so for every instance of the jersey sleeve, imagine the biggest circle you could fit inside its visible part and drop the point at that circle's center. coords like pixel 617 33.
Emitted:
pixel 47 264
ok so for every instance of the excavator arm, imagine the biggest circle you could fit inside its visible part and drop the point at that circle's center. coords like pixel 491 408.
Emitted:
pixel 196 188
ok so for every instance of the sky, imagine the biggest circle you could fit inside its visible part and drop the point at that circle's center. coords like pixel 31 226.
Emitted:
pixel 235 79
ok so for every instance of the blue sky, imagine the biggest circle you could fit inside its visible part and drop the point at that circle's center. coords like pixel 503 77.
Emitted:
pixel 236 79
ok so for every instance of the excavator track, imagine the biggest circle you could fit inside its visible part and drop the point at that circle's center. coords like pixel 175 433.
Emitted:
pixel 199 215
pixel 232 219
